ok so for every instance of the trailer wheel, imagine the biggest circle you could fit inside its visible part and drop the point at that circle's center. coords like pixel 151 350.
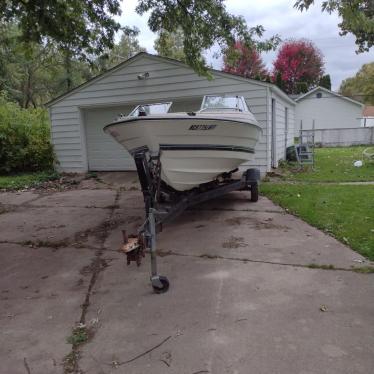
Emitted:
pixel 254 192
pixel 161 285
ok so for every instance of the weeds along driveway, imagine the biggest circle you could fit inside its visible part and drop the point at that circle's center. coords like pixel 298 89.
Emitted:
pixel 243 297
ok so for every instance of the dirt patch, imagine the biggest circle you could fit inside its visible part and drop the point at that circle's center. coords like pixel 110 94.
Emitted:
pixel 236 221
pixel 94 266
pixel 65 183
pixel 49 227
pixel 100 232
pixel 234 242
pixel 257 224
pixel 46 244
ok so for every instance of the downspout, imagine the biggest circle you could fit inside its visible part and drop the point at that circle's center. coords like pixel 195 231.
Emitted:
pixel 268 164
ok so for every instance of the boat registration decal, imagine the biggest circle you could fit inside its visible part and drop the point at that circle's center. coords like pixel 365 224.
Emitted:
pixel 202 127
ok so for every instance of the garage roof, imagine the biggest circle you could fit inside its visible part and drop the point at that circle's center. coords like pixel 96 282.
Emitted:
pixel 138 55
pixel 330 92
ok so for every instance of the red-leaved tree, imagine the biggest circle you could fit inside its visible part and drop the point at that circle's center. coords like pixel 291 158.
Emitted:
pixel 298 67
pixel 244 61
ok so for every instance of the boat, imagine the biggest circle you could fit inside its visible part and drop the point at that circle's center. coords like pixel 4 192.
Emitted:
pixel 195 148
pixel 184 159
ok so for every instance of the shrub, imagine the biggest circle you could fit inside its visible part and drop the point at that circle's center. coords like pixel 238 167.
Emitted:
pixel 24 139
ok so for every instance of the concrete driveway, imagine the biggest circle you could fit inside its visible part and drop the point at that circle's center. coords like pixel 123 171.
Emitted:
pixel 242 297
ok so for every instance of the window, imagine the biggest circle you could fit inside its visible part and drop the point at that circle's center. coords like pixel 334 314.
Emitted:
pixel 224 102
pixel 319 95
pixel 149 109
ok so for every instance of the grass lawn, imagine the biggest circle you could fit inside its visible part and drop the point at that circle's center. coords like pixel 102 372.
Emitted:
pixel 346 212
pixel 19 181
pixel 334 165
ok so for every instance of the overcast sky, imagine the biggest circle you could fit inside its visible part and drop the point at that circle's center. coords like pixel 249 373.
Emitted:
pixel 279 17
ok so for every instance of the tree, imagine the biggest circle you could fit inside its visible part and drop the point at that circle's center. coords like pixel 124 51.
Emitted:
pixel 69 72
pixel 361 86
pixel 241 60
pixel 127 47
pixel 171 44
pixel 204 23
pixel 7 45
pixel 300 65
pixel 325 81
pixel 278 80
pixel 85 26
pixel 357 18
pixel 32 73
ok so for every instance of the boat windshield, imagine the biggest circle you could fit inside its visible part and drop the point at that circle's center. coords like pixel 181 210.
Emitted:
pixel 149 109
pixel 224 102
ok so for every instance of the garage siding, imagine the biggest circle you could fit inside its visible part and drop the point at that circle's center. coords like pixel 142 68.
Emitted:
pixel 284 134
pixel 168 81
pixel 67 138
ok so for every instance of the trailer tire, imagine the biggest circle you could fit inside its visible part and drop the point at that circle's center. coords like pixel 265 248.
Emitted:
pixel 254 192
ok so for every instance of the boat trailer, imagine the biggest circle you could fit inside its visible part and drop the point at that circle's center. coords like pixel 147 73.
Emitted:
pixel 163 204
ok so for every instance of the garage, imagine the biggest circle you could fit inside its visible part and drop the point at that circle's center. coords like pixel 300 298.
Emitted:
pixel 78 117
pixel 102 152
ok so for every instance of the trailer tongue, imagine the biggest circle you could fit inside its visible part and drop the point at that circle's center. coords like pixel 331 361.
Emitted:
pixel 163 204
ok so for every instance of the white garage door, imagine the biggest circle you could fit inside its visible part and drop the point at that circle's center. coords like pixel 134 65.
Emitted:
pixel 103 152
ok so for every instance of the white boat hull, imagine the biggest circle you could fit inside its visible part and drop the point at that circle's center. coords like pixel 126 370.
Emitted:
pixel 193 149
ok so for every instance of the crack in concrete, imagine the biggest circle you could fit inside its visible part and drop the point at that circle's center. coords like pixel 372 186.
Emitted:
pixel 26 365
pixel 20 207
pixel 35 245
pixel 245 260
pixel 355 269
pixel 98 264
pixel 100 231
pixel 235 210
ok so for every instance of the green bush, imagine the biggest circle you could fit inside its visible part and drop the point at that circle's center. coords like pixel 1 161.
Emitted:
pixel 24 139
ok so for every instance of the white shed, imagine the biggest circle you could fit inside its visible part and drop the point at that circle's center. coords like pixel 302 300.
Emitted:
pixel 327 109
pixel 78 117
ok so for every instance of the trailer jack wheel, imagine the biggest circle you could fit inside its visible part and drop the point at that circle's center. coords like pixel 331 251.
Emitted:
pixel 160 283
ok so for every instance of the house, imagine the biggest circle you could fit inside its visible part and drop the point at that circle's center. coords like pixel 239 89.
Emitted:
pixel 78 117
pixel 368 116
pixel 327 109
